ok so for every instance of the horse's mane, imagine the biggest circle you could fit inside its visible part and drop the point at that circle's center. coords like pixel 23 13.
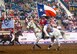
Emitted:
pixel 17 33
pixel 34 25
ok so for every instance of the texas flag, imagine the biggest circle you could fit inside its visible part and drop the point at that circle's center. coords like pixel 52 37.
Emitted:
pixel 44 10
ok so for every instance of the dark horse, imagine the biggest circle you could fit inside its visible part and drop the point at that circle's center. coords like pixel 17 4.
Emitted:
pixel 17 34
pixel 4 38
pixel 12 38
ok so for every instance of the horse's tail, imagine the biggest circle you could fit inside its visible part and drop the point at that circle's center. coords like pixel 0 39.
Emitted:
pixel 63 34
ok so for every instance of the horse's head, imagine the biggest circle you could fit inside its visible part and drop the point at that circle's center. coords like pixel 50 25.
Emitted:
pixel 19 33
pixel 63 34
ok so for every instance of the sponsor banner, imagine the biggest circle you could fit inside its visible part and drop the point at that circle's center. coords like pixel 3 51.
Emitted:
pixel 30 38
pixel 71 36
pixel 7 24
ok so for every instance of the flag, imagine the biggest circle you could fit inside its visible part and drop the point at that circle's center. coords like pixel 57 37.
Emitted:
pixel 44 10
pixel 7 24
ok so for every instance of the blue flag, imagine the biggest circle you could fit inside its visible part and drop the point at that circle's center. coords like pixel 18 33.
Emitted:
pixel 7 24
pixel 40 8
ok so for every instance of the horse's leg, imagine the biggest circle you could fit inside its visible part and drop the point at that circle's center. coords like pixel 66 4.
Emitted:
pixel 1 40
pixel 38 36
pixel 4 42
pixel 52 42
pixel 12 39
pixel 58 43
pixel 36 44
pixel 11 42
pixel 17 41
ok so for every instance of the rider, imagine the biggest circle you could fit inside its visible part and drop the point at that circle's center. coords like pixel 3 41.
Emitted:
pixel 12 36
pixel 47 29
pixel 42 22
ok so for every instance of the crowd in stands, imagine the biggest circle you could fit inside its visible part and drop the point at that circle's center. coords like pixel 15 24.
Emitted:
pixel 26 10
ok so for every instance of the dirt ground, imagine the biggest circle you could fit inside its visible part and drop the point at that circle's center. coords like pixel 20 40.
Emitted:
pixel 27 49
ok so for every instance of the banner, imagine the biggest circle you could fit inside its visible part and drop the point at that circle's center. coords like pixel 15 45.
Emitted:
pixel 7 24
pixel 30 38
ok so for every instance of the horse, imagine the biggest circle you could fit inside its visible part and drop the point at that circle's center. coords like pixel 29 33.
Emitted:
pixel 17 34
pixel 55 35
pixel 38 35
pixel 11 38
pixel 37 31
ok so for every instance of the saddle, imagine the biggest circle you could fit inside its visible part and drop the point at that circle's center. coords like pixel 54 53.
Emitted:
pixel 44 36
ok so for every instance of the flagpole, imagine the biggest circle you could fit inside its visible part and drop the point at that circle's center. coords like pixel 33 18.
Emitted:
pixel 37 9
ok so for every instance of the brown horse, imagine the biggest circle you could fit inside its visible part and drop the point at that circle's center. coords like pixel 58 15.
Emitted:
pixel 11 38
pixel 17 34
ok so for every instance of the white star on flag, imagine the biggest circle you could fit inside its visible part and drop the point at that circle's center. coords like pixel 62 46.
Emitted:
pixel 41 10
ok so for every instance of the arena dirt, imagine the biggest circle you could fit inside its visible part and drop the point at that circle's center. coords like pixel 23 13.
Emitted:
pixel 27 49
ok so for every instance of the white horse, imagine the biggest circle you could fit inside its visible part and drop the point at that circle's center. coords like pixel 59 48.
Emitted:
pixel 37 32
pixel 53 35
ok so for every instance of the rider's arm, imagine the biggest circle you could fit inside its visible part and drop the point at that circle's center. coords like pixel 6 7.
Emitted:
pixel 45 31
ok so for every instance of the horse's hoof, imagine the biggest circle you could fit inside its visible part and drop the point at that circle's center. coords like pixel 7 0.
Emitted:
pixel 33 47
pixel 48 48
pixel 57 49
pixel 20 44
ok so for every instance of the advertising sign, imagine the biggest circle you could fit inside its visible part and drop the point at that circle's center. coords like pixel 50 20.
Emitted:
pixel 30 38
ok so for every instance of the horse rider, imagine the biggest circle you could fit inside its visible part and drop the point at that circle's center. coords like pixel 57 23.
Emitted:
pixel 47 29
pixel 12 37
